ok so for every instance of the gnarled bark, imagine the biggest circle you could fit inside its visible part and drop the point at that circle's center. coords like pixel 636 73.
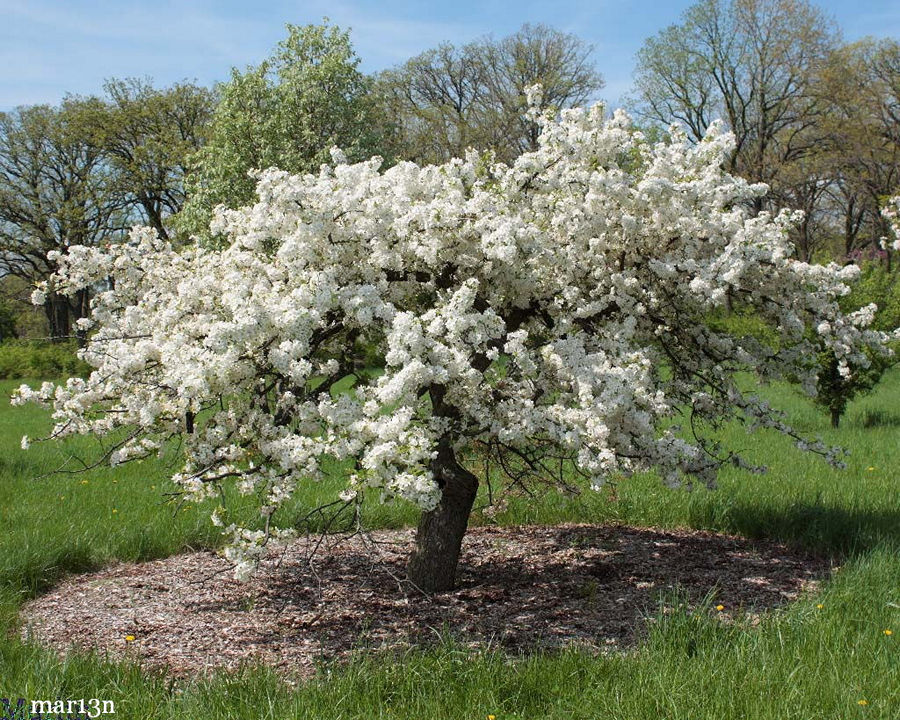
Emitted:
pixel 432 566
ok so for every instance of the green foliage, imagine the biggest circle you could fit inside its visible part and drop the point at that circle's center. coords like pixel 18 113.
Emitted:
pixel 35 359
pixel 7 321
pixel 877 285
pixel 288 113
pixel 24 320
pixel 742 324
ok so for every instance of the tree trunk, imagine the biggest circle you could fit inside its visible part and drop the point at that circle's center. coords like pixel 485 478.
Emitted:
pixel 836 418
pixel 81 308
pixel 432 565
pixel 56 307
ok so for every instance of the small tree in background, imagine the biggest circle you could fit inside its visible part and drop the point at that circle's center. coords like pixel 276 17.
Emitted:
pixel 553 312
pixel 835 389
pixel 879 291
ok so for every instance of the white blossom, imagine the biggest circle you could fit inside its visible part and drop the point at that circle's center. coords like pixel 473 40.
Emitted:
pixel 891 211
pixel 561 301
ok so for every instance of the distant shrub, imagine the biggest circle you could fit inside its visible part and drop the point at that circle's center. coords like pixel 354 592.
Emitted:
pixel 35 359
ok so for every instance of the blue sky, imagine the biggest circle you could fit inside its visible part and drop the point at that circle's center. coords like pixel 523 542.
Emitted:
pixel 50 48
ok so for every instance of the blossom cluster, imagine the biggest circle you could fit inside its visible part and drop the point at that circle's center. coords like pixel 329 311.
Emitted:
pixel 891 212
pixel 367 315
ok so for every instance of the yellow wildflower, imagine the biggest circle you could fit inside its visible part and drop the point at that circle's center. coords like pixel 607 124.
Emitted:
pixel 862 702
pixel 888 632
pixel 720 608
pixel 820 606
pixel 129 638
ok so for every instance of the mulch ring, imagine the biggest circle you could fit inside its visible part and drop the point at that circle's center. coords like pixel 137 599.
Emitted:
pixel 518 587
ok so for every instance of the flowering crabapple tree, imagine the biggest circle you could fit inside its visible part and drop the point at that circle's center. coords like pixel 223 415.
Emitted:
pixel 553 313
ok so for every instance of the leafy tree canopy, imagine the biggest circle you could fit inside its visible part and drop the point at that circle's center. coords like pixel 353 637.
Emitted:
pixel 284 113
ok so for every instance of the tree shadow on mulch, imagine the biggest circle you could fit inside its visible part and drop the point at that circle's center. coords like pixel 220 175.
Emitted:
pixel 521 588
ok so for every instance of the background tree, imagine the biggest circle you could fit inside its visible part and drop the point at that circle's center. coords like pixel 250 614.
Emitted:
pixel 56 191
pixel 437 102
pixel 535 55
pixel 286 113
pixel 753 63
pixel 861 83
pixel 878 288
pixel 451 98
pixel 146 135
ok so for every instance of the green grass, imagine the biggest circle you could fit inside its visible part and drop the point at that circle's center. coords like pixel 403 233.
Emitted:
pixel 800 662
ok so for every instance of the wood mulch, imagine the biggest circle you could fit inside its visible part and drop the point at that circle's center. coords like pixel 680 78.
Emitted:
pixel 519 588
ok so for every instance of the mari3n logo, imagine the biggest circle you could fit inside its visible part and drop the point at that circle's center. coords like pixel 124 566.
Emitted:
pixel 55 709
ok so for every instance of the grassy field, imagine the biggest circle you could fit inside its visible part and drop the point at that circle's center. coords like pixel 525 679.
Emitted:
pixel 826 656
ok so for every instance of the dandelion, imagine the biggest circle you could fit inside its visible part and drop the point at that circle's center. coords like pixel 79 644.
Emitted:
pixel 490 717
pixel 862 702
pixel 720 608
pixel 129 638
pixel 889 632
pixel 84 482
pixel 114 511
pixel 870 468
pixel 819 606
